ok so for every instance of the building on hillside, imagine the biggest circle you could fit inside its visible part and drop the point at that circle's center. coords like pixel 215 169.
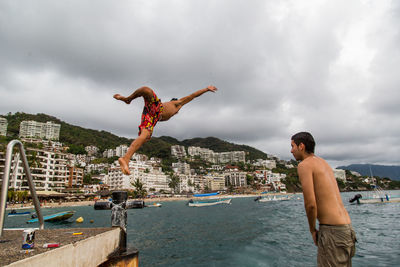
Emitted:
pixel 75 177
pixel 121 150
pixel 153 179
pixel 340 174
pixel 109 153
pixel 92 150
pixel 186 183
pixel 235 178
pixel 49 170
pixel 97 168
pixel 34 129
pixel 178 151
pixel 199 183
pixel 3 126
pixel 215 181
pixel 181 168
pixel 269 164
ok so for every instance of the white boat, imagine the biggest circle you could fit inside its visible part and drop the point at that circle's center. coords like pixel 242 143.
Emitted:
pixel 153 205
pixel 274 198
pixel 210 202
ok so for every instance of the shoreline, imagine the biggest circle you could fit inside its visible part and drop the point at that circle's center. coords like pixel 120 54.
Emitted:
pixel 146 200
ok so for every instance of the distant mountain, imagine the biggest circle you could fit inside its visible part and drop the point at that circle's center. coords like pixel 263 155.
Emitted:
pixel 156 147
pixel 392 172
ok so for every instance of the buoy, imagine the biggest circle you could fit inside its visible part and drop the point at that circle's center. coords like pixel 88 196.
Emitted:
pixel 79 220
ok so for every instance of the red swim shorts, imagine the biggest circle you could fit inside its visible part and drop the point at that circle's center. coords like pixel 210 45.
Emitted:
pixel 151 114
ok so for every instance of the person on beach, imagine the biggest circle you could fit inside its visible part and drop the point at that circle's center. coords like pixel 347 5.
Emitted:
pixel 154 110
pixel 335 237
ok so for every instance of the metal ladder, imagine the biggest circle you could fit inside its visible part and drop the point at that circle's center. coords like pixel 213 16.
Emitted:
pixel 6 178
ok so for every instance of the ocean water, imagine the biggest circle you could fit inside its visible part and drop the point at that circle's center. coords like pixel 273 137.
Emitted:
pixel 245 233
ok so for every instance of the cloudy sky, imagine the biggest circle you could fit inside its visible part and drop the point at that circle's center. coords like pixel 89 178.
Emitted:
pixel 327 67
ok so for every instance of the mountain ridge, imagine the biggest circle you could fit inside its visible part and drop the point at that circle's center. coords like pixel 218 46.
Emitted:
pixel 383 171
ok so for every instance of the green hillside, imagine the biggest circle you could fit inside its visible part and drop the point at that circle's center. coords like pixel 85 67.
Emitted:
pixel 75 136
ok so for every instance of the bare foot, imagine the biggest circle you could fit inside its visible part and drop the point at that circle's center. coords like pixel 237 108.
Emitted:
pixel 124 166
pixel 122 98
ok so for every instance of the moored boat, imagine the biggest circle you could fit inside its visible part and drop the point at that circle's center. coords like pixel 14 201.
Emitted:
pixel 15 213
pixel 274 198
pixel 208 202
pixel 61 216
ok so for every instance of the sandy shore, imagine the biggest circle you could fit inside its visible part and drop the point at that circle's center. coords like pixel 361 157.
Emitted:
pixel 146 200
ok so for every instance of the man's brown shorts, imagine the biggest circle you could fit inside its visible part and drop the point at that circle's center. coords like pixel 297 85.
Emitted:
pixel 336 245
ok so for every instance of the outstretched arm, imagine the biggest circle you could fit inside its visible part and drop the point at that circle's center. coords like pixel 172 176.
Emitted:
pixel 310 204
pixel 187 99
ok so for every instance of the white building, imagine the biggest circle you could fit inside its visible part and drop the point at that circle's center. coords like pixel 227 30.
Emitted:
pixel 235 178
pixel 92 150
pixel 213 157
pixel 34 129
pixel 153 179
pixel 181 168
pixel 340 174
pixel 50 171
pixel 178 151
pixel 121 150
pixel 186 183
pixel 3 126
pixel 109 153
pixel 269 164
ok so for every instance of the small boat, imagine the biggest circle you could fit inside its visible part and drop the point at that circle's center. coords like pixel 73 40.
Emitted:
pixel 61 216
pixel 154 205
pixel 268 199
pixel 210 202
pixel 15 213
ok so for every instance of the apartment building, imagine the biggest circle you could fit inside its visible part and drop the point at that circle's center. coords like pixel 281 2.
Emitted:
pixel 213 157
pixel 269 164
pixel 152 178
pixel 92 150
pixel 186 183
pixel 181 168
pixel 215 181
pixel 75 177
pixel 49 170
pixel 178 151
pixel 235 178
pixel 34 129
pixel 3 126
pixel 121 150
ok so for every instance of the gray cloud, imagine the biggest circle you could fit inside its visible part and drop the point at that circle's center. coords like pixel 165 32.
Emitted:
pixel 281 67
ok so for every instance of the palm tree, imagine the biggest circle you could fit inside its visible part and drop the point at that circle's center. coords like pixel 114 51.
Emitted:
pixel 174 182
pixel 139 191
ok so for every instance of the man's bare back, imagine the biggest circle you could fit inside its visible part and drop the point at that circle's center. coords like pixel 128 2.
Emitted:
pixel 330 208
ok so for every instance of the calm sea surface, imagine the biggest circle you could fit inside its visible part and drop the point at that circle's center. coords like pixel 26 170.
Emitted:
pixel 245 233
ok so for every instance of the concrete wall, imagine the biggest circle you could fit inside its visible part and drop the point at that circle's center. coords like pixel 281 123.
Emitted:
pixel 88 252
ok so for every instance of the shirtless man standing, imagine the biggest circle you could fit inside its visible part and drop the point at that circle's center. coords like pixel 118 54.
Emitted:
pixel 335 238
pixel 154 110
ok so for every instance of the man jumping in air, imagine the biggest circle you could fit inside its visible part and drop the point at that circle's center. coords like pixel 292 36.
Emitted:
pixel 154 110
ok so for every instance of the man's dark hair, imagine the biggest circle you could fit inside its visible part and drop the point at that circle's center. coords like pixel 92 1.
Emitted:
pixel 174 99
pixel 307 139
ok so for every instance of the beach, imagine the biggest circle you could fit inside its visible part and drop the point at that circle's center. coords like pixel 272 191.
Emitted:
pixel 146 200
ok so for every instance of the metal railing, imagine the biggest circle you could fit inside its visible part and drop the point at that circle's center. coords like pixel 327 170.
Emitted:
pixel 6 178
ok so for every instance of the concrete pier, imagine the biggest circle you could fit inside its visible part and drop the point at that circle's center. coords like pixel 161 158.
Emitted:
pixel 92 248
